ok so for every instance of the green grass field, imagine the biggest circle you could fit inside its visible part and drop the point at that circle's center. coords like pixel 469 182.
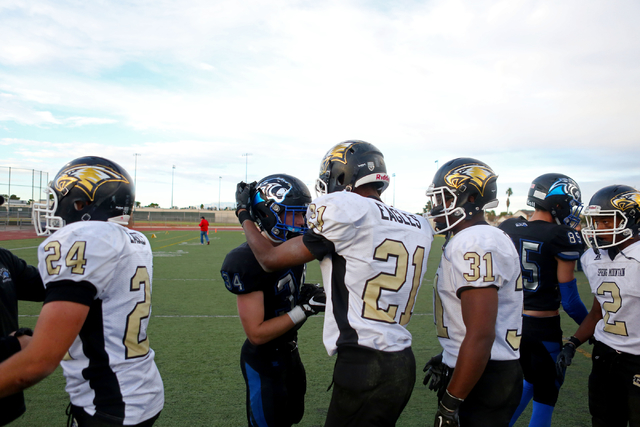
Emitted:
pixel 197 336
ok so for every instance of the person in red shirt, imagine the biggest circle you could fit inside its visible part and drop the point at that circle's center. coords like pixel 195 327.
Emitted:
pixel 204 230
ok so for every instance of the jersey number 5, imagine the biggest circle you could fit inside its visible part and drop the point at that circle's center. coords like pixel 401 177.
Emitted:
pixel 373 289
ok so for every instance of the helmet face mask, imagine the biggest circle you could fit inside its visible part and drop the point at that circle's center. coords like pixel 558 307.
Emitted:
pixel 44 219
pixel 461 188
pixel 277 202
pixel 445 202
pixel 559 195
pixel 85 189
pixel 613 216
pixel 349 165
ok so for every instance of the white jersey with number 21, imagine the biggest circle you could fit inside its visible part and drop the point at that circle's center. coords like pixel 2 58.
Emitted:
pixel 373 276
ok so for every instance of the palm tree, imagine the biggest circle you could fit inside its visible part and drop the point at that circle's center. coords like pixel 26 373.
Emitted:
pixel 509 194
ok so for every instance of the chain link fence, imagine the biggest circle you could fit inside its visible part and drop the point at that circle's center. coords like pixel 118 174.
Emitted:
pixel 20 187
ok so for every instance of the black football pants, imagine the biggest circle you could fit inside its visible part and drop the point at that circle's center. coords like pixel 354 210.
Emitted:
pixel 614 388
pixel 370 387
pixel 276 384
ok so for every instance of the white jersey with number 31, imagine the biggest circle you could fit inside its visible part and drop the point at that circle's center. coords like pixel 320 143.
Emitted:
pixel 479 256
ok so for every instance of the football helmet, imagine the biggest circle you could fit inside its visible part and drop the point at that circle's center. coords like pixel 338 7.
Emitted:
pixel 453 184
pixel 621 202
pixel 103 189
pixel 349 165
pixel 276 200
pixel 559 195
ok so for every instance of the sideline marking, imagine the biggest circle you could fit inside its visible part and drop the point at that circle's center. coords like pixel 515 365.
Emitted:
pixel 177 243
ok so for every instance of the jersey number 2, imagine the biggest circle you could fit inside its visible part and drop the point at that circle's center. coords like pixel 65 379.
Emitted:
pixel 134 347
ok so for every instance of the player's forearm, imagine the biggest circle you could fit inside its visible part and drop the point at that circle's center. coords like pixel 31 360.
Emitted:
pixel 588 325
pixel 474 354
pixel 23 370
pixel 260 247
pixel 269 330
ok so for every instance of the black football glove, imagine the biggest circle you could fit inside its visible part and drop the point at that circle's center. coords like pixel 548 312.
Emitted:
pixel 438 373
pixel 312 299
pixel 243 199
pixel 447 413
pixel 23 331
pixel 565 357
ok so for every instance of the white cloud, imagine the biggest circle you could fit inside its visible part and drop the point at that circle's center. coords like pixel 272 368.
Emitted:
pixel 199 82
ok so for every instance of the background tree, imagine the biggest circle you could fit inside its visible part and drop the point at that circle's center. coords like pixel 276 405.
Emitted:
pixel 427 207
pixel 509 194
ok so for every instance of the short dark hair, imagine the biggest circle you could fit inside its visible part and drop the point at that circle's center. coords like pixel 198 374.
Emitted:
pixel 202 217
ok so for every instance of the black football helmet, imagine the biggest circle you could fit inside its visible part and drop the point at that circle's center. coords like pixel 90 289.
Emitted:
pixel 621 202
pixel 559 195
pixel 104 189
pixel 458 180
pixel 349 165
pixel 274 204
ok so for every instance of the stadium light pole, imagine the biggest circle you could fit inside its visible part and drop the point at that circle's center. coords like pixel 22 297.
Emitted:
pixel 394 189
pixel 219 186
pixel 135 170
pixel 172 173
pixel 246 165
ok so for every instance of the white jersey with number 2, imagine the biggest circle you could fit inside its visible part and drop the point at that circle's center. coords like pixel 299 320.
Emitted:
pixel 616 285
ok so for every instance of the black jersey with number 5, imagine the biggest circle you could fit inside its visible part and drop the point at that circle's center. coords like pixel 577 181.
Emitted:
pixel 538 244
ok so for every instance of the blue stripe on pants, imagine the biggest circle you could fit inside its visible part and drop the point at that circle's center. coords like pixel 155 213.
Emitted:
pixel 255 396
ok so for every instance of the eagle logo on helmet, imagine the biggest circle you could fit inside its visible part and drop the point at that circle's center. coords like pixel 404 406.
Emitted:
pixel 564 186
pixel 476 175
pixel 626 201
pixel 87 178
pixel 336 154
pixel 275 188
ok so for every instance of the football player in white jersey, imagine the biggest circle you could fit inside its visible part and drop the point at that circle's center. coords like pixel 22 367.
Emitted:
pixel 612 266
pixel 373 258
pixel 97 277
pixel 478 301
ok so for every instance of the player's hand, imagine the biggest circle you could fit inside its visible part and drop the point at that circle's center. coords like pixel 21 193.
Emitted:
pixel 438 373
pixel 243 195
pixel 243 200
pixel 313 300
pixel 24 336
pixel 564 359
pixel 447 413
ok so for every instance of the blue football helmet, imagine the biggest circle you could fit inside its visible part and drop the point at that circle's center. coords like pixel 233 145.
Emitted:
pixel 274 204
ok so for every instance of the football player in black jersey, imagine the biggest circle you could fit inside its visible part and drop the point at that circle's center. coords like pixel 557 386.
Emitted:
pixel 549 246
pixel 18 281
pixel 273 305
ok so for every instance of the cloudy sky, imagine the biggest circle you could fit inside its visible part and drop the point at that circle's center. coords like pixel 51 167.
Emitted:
pixel 527 86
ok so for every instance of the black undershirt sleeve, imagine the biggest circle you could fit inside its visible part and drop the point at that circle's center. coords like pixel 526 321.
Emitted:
pixel 318 245
pixel 68 290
